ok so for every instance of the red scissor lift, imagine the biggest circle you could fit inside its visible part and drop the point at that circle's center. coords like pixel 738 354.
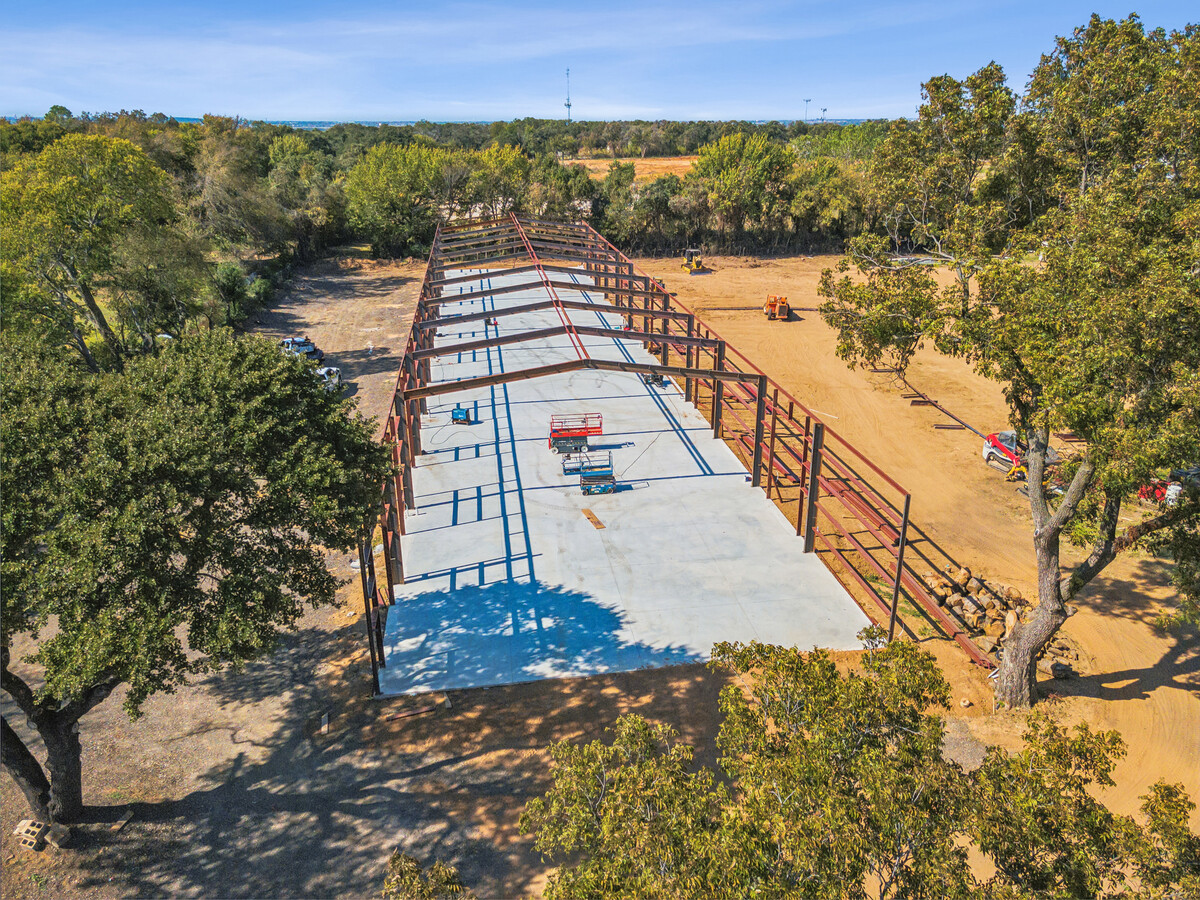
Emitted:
pixel 569 433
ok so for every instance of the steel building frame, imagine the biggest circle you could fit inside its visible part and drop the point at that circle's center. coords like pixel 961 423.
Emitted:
pixel 848 509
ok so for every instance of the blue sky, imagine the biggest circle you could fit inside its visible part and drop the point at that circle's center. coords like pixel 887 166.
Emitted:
pixel 484 61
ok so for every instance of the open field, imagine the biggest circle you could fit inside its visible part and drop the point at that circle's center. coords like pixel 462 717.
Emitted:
pixel 643 169
pixel 236 792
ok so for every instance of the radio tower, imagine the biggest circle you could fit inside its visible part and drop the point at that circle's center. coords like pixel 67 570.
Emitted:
pixel 568 103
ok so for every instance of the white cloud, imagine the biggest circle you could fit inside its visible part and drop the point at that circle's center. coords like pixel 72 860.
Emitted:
pixel 455 60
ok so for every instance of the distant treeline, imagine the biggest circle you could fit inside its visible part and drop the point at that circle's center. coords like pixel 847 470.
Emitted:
pixel 213 213
pixel 533 136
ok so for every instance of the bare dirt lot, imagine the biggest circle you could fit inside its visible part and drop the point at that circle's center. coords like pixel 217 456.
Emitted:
pixel 643 169
pixel 1142 682
pixel 236 791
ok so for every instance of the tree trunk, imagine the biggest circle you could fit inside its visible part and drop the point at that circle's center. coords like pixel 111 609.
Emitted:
pixel 84 351
pixel 65 765
pixel 1016 683
pixel 25 771
pixel 98 319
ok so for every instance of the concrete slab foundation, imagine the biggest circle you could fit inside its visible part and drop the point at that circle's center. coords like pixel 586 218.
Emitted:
pixel 507 578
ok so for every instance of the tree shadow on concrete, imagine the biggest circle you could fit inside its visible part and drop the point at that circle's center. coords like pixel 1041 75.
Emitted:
pixel 508 631
pixel 308 813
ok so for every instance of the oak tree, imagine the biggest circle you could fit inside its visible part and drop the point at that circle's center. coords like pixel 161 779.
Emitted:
pixel 69 217
pixel 159 524
pixel 1069 227
pixel 834 784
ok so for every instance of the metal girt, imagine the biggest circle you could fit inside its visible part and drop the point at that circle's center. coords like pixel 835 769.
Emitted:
pixel 555 246
pixel 577 226
pixel 507 244
pixel 483 343
pixel 545 304
pixel 473 225
pixel 463 279
pixel 571 365
pixel 546 282
pixel 466 296
pixel 675 340
pixel 541 333
pixel 474 242
pixel 558 307
pixel 440 266
pixel 450 387
pixel 476 237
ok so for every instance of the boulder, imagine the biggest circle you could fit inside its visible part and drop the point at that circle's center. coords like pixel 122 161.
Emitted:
pixel 1061 671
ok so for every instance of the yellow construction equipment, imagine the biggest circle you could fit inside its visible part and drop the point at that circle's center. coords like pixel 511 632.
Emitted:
pixel 693 262
pixel 777 308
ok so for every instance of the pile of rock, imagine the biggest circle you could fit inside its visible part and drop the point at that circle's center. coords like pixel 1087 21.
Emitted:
pixel 1059 659
pixel 989 612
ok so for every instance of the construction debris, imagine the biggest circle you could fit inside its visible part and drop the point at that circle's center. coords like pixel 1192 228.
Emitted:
pixel 30 832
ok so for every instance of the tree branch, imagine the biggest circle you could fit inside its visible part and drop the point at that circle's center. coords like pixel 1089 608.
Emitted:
pixel 25 770
pixel 89 700
pixel 1074 494
pixel 1103 551
pixel 1172 516
pixel 16 688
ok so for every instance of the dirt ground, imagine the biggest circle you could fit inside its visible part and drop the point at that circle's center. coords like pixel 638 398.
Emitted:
pixel 643 169
pixel 236 791
pixel 1137 680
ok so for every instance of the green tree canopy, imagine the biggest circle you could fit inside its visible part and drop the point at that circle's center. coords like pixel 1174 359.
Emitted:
pixel 745 178
pixel 167 521
pixel 834 785
pixel 392 196
pixel 1070 228
pixel 68 218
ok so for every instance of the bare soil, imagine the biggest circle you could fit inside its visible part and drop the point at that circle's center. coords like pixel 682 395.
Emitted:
pixel 643 169
pixel 236 791
pixel 1137 679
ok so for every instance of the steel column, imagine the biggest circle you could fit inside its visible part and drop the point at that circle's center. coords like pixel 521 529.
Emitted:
pixel 899 569
pixel 687 382
pixel 369 606
pixel 814 472
pixel 665 323
pixel 760 414
pixel 717 391
pixel 771 450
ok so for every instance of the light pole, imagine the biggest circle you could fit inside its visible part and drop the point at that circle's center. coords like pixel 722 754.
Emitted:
pixel 823 108
pixel 807 100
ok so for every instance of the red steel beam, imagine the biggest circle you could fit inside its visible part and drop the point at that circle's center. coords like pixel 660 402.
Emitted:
pixel 558 307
